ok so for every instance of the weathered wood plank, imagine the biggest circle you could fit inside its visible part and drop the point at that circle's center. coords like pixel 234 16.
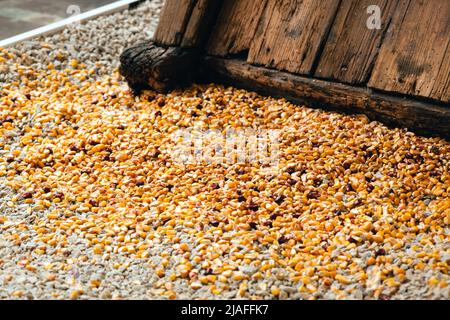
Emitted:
pixel 351 48
pixel 235 27
pixel 414 50
pixel 173 21
pixel 441 87
pixel 423 117
pixel 290 34
pixel 202 18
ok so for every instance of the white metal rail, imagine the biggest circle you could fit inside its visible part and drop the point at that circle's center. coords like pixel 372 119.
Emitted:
pixel 53 27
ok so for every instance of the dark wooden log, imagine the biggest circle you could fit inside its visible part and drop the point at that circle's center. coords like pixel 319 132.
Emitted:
pixel 428 117
pixel 161 68
pixel 170 59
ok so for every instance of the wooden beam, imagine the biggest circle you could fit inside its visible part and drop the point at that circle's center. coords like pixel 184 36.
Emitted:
pixel 290 34
pixel 173 22
pixel 200 23
pixel 235 27
pixel 186 23
pixel 422 117
pixel 170 59
pixel 441 88
pixel 351 48
pixel 414 57
pixel 161 68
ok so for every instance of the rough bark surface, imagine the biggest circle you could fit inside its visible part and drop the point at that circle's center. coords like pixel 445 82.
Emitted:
pixel 161 68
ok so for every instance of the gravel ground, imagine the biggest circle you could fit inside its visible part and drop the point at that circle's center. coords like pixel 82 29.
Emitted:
pixel 97 43
pixel 75 271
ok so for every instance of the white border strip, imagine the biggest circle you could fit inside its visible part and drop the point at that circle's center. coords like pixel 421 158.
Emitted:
pixel 53 27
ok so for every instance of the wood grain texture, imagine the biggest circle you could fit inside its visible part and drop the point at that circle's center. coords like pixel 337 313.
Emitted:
pixel 235 27
pixel 351 48
pixel 148 65
pixel 422 117
pixel 414 56
pixel 441 87
pixel 290 34
pixel 203 16
pixel 173 21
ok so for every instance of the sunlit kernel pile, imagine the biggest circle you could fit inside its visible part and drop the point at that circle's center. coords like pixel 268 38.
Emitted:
pixel 95 161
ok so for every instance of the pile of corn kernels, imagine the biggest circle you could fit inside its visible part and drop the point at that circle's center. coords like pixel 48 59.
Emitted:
pixel 353 209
